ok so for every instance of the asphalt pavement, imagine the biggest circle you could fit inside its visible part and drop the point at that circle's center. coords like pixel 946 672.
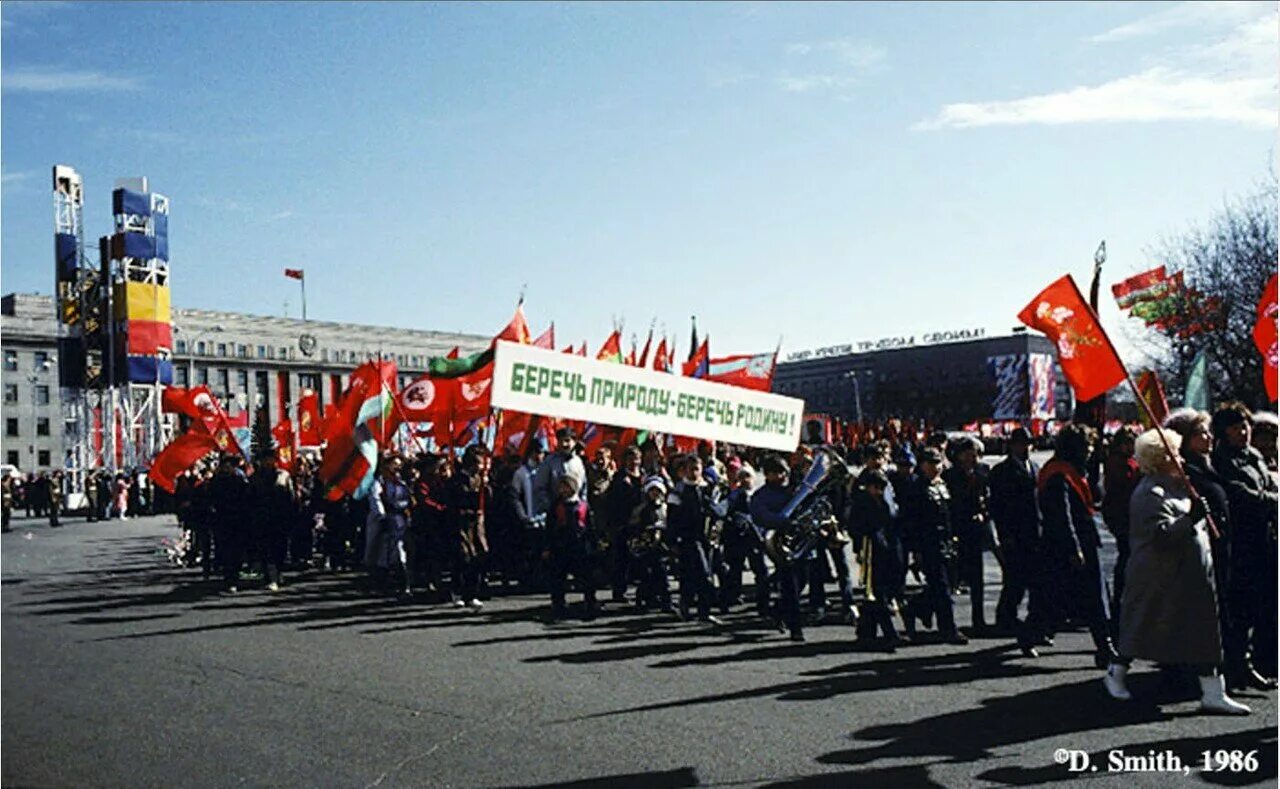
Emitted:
pixel 120 670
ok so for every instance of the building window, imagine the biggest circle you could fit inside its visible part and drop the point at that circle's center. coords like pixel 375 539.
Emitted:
pixel 42 426
pixel 242 380
pixel 10 361
pixel 11 426
pixel 224 383
pixel 200 347
pixel 180 376
pixel 181 346
pixel 284 352
pixel 12 457
pixel 42 359
pixel 262 351
pixel 43 456
pixel 222 349
pixel 242 351
pixel 42 395
pixel 203 376
pixel 324 354
pixel 11 393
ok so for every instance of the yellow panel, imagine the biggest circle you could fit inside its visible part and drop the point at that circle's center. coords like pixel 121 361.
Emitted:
pixel 140 301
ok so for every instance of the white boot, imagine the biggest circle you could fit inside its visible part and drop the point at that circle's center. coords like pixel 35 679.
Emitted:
pixel 1214 697
pixel 1114 680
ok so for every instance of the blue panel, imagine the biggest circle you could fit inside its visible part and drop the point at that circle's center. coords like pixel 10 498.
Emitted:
pixel 160 225
pixel 132 245
pixel 162 248
pixel 125 202
pixel 143 369
pixel 65 249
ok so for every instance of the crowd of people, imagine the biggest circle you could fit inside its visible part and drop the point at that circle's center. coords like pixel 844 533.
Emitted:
pixel 906 525
pixel 44 495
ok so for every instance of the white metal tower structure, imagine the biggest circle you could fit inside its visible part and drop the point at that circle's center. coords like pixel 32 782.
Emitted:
pixel 79 316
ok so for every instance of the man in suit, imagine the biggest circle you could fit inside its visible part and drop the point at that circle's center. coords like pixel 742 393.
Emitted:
pixel 1017 516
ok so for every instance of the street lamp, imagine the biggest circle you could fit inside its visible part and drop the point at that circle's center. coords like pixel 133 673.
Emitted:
pixel 33 379
pixel 191 349
pixel 852 375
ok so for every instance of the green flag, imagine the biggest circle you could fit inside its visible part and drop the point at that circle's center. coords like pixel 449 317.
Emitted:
pixel 1197 396
pixel 443 367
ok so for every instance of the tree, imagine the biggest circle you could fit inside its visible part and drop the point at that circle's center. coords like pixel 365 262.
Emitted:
pixel 1225 268
pixel 263 443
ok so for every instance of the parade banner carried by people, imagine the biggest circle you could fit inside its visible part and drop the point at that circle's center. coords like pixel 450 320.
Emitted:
pixel 535 381
pixel 1265 334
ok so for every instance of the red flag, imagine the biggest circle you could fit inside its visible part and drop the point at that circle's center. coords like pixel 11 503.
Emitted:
pixel 1264 336
pixel 181 454
pixel 750 371
pixel 643 361
pixel 293 273
pixel 330 419
pixel 611 351
pixel 517 330
pixel 362 425
pixel 582 350
pixel 699 363
pixel 283 434
pixel 1153 392
pixel 1088 359
pixel 661 362
pixel 199 404
pixel 568 348
pixel 547 339
pixel 1139 288
pixel 309 419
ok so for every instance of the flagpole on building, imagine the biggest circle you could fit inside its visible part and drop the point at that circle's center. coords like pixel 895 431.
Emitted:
pixel 302 281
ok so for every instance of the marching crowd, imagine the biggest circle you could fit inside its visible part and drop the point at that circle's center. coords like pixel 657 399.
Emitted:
pixel 1194 584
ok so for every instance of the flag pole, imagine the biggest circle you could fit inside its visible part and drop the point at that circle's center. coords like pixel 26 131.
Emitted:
pixel 1142 401
pixel 302 281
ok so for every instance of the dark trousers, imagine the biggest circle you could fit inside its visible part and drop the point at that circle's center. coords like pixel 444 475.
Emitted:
pixel 570 557
pixel 739 552
pixel 273 548
pixel 1079 591
pixel 842 560
pixel 970 567
pixel 229 544
pixel 619 564
pixel 875 616
pixel 652 586
pixel 791 580
pixel 936 597
pixel 466 576
pixel 91 511
pixel 5 515
pixel 695 578
pixel 202 546
pixel 1018 579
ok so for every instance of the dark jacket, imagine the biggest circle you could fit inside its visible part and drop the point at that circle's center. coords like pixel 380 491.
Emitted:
pixel 926 518
pixel 688 508
pixel 1069 527
pixel 1014 505
pixel 1120 477
pixel 970 496
pixel 869 519
pixel 625 494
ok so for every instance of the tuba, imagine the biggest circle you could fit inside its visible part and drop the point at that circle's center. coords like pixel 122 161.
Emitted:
pixel 811 513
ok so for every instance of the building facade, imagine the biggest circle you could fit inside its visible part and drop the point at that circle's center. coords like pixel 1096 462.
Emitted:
pixel 247 361
pixel 948 383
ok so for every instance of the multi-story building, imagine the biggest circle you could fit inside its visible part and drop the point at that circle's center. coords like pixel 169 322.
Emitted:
pixel 247 361
pixel 947 381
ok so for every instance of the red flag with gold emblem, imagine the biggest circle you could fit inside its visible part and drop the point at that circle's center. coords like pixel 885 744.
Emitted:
pixel 309 419
pixel 1088 358
pixel 1264 336
pixel 286 456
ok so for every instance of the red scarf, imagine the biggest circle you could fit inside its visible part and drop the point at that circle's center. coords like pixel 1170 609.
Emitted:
pixel 1073 477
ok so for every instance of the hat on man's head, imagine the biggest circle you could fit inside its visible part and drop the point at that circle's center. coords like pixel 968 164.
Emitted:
pixel 565 433
pixel 930 455
pixel 655 482
pixel 1020 435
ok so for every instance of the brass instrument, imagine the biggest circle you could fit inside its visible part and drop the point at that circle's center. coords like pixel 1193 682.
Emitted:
pixel 810 514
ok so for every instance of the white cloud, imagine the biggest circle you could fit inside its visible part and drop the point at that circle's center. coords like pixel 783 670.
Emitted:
pixel 39 79
pixel 1153 95
pixel 13 178
pixel 831 65
pixel 1229 78
pixel 1195 14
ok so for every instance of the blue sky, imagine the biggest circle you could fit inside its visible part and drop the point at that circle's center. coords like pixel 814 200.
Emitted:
pixel 828 172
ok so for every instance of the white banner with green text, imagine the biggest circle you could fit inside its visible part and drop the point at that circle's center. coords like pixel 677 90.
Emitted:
pixel 564 386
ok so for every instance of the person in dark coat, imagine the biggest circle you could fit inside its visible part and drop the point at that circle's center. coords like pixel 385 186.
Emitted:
pixel 1252 495
pixel 1017 517
pixel 468 490
pixel 569 542
pixel 743 545
pixel 1169 611
pixel 766 508
pixel 689 504
pixel 273 514
pixel 871 521
pixel 967 483
pixel 1071 541
pixel 1197 442
pixel 230 496
pixel 624 494
pixel 1120 477
pixel 927 518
